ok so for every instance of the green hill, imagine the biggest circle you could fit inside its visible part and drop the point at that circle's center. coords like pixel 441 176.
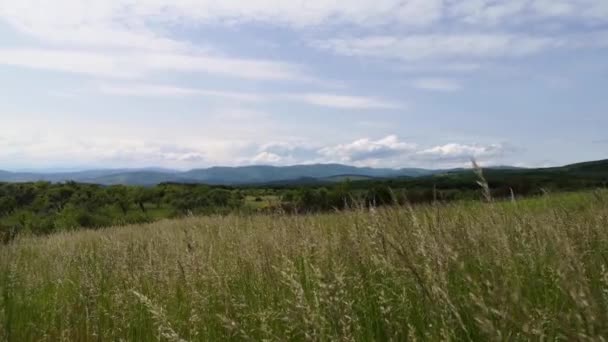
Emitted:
pixel 296 174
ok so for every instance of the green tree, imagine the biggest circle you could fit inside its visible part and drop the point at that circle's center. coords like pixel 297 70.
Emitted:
pixel 141 196
pixel 120 197
pixel 7 205
pixel 220 197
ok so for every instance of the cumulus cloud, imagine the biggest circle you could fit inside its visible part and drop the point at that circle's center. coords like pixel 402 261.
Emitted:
pixel 366 150
pixel 454 152
pixel 286 153
pixel 92 151
pixel 266 158
pixel 389 151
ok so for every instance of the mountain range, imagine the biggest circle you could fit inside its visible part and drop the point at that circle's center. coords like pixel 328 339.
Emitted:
pixel 243 175
pixel 219 175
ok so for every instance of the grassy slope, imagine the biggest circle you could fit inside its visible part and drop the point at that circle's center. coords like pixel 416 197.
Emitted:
pixel 468 271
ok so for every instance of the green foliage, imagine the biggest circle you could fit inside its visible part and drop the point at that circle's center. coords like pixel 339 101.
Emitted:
pixel 42 208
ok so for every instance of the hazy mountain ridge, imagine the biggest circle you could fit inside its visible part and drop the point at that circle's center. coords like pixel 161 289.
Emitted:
pixel 214 175
pixel 261 174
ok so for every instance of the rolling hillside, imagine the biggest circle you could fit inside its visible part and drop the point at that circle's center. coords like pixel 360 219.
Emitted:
pixel 297 174
pixel 214 175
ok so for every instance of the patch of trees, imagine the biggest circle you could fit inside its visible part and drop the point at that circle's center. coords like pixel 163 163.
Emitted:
pixel 42 208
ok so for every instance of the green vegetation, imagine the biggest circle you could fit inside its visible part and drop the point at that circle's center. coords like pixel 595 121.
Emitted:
pixel 43 208
pixel 532 269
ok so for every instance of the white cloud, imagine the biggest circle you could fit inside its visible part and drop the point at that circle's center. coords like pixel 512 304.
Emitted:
pixel 69 61
pixel 142 89
pixel 437 84
pixel 462 152
pixel 434 46
pixel 448 67
pixel 63 151
pixel 486 11
pixel 494 12
pixel 91 24
pixel 127 45
pixel 234 67
pixel 124 145
pixel 345 102
pixel 32 14
pixel 215 136
pixel 393 152
pixel 74 18
pixel 138 65
pixel 266 158
pixel 591 9
pixel 318 99
pixel 284 148
pixel 286 153
pixel 367 150
pixel 133 38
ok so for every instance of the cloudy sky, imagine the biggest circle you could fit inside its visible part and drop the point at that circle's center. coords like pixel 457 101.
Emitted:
pixel 392 83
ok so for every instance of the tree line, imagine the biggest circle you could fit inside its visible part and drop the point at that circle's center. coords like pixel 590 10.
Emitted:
pixel 43 208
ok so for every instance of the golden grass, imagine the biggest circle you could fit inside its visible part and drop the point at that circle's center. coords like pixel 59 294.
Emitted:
pixel 534 269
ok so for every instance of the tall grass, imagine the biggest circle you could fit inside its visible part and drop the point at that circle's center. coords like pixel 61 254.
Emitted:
pixel 533 269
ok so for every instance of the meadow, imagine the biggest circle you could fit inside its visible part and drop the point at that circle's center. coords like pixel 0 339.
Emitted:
pixel 530 269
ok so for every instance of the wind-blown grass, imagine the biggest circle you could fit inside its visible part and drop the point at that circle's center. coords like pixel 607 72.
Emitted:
pixel 531 269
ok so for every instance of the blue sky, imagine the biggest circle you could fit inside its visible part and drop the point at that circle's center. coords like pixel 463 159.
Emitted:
pixel 387 83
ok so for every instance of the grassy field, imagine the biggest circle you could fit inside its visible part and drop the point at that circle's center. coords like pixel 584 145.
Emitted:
pixel 532 269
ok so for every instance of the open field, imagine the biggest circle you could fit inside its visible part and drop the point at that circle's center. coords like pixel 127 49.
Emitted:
pixel 531 269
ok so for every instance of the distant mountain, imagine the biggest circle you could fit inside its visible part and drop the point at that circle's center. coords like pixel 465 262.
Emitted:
pixel 343 178
pixel 266 174
pixel 592 167
pixel 5 174
pixel 216 175
pixel 251 175
pixel 80 176
pixel 141 178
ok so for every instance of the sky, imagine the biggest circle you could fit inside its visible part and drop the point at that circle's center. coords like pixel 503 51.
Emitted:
pixel 187 84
